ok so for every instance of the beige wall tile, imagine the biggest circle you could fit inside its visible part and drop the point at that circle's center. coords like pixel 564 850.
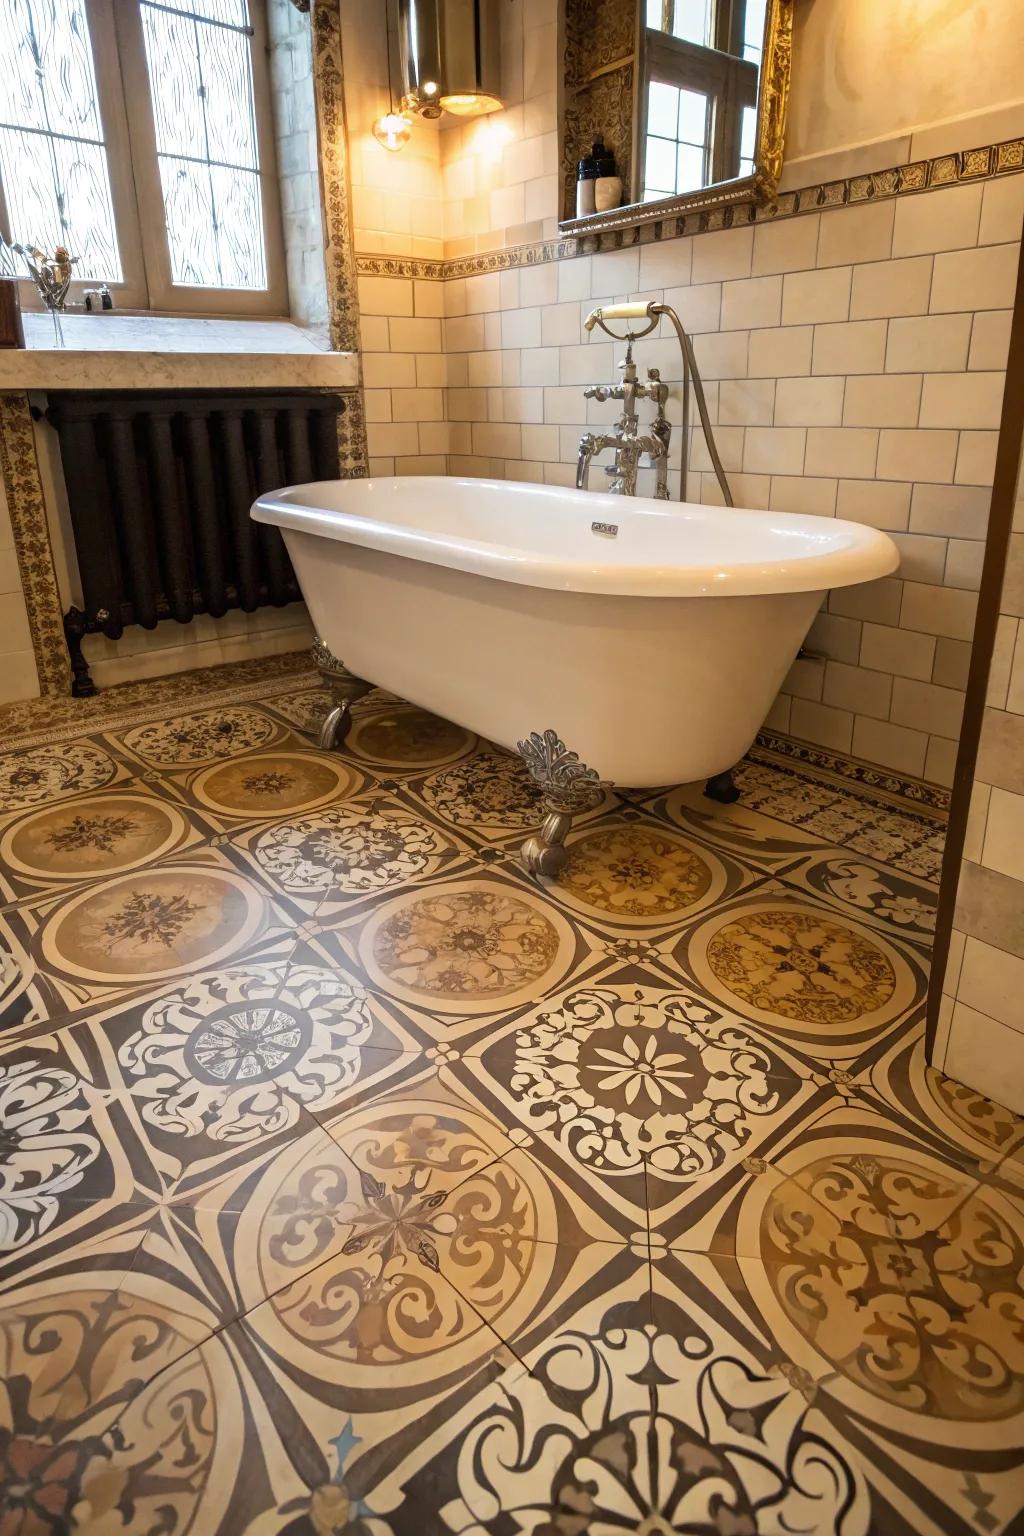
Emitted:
pixel 972 400
pixel 814 495
pixel 990 339
pixel 574 279
pixel 988 906
pixel 846 452
pixel 909 454
pixel 809 402
pixel 951 510
pixel 384 370
pixel 1004 835
pixel 521 328
pixel 928 344
pixel 899 652
pixel 665 263
pixel 941 220
pixel 787 246
pixel 699 307
pixel 415 335
pixel 822 725
pixel 782 353
pixel 723 355
pixel 854 346
pixel 976 458
pixel 857 689
pixel 389 439
pixel 883 288
pixel 804 679
pixel 1001 751
pixel 883 400
pixel 878 601
pixel 385 296
pixel 1002 671
pixel 987 1054
pixel 922 557
pixel 952 662
pixel 1002 210
pixel 984 278
pixel 938 610
pixel 724 254
pixel 964 560
pixel 879 503
pixel 861 233
pixel 428 298
pixel 810 298
pixel 774 450
pixel 560 325
pixel 751 302
pixel 615 272
pixel 836 637
pixel 940 761
pixel 892 746
pixel 927 707
pixel 977 816
pixel 746 402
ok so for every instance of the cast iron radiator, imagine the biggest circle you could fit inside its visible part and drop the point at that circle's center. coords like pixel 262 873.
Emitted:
pixel 159 489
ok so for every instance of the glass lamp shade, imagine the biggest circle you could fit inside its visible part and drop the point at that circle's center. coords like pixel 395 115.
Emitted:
pixel 471 104
pixel 393 130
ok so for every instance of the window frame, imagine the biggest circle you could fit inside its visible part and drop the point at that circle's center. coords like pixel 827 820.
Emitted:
pixel 126 114
pixel 729 83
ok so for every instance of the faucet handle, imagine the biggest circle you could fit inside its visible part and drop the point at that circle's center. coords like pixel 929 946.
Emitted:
pixel 597 392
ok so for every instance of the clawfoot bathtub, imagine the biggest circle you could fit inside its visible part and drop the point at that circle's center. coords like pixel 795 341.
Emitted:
pixel 639 640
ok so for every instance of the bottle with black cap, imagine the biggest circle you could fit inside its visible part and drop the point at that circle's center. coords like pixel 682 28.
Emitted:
pixel 586 177
pixel 608 183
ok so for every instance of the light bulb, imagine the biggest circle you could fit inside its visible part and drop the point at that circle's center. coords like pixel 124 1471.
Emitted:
pixel 393 130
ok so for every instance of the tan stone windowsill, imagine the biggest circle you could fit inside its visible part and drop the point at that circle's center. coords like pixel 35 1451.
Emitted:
pixel 111 351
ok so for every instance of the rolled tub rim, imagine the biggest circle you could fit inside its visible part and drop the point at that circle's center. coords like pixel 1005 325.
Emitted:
pixel 860 553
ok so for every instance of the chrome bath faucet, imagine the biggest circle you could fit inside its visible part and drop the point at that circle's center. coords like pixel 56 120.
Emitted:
pixel 628 444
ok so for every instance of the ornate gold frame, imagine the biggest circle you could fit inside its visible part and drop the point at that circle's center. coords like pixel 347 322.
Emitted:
pixel 761 187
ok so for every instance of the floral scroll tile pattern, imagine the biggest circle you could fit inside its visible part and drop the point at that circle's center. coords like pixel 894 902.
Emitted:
pixel 353 1183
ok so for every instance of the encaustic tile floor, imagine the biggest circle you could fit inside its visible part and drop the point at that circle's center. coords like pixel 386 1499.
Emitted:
pixel 353 1183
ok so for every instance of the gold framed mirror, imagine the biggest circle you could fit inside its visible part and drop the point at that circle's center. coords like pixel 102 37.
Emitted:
pixel 689 96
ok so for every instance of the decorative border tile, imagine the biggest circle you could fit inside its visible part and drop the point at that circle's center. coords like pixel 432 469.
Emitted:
pixel 20 469
pixel 989 161
pixel 852 772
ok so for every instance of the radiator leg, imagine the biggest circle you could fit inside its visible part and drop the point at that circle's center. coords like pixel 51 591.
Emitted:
pixel 569 787
pixel 75 625
pixel 345 690
pixel 722 787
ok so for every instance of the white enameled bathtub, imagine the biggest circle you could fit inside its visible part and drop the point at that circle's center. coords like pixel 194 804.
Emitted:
pixel 655 651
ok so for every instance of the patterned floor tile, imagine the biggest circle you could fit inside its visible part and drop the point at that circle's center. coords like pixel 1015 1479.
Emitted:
pixel 353 1183
pixel 830 985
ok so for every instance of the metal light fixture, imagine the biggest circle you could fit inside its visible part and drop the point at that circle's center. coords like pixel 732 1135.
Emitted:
pixel 449 57
pixel 392 130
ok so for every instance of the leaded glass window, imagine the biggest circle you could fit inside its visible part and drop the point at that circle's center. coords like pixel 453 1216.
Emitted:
pixel 200 76
pixel 53 155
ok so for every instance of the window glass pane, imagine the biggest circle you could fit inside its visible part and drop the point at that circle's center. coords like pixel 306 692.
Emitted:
pixel 690 176
pixel 53 159
pixel 200 76
pixel 753 30
pixel 660 169
pixel 662 109
pixel 748 128
pixel 692 21
pixel 693 117
pixel 653 15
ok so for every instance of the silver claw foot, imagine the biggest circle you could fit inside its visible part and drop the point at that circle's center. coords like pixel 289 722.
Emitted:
pixel 345 690
pixel 569 787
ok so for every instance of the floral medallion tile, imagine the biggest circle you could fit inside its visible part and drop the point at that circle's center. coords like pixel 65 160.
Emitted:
pixel 205 736
pixel 473 942
pixel 642 1096
pixel 38 775
pixel 324 859
pixel 304 708
pixel 228 1060
pixel 869 892
pixel 128 932
pixel 89 838
pixel 401 738
pixel 632 874
pixel 264 786
pixel 491 797
pixel 829 985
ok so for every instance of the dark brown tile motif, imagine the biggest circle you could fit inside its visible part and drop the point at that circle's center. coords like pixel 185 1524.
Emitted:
pixel 352 1183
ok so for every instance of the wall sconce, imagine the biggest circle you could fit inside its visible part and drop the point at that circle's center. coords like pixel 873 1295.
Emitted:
pixel 393 130
pixel 449 57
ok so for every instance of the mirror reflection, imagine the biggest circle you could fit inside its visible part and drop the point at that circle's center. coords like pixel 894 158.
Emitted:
pixel 698 106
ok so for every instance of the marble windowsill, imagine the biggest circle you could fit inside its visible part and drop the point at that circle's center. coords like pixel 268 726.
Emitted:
pixel 108 351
